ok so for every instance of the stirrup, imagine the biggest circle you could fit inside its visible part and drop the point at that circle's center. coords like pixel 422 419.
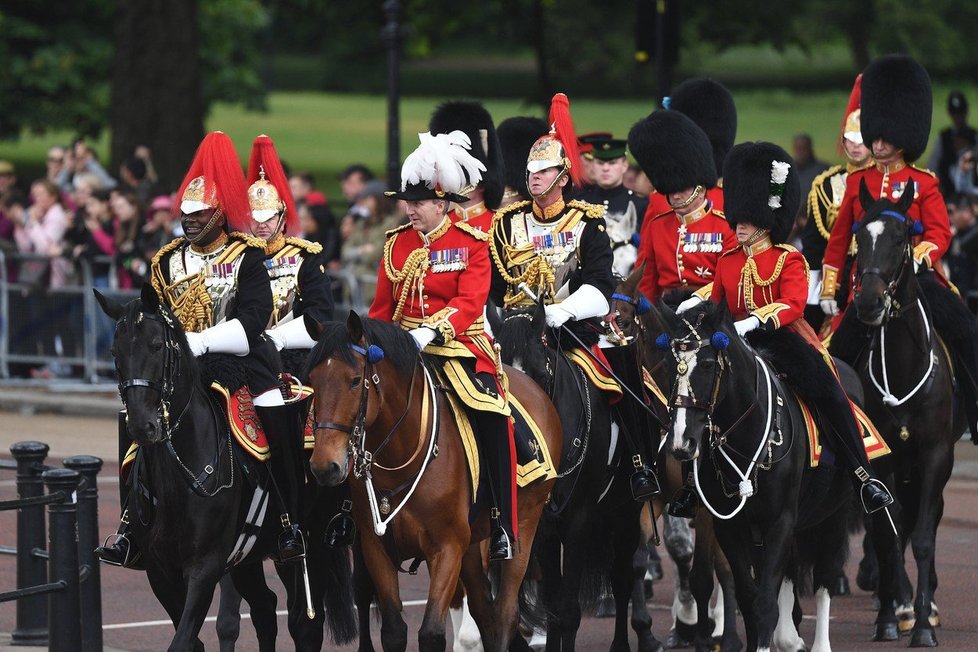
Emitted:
pixel 340 530
pixel 644 484
pixel 120 552
pixel 874 495
pixel 500 545
pixel 684 505
pixel 291 544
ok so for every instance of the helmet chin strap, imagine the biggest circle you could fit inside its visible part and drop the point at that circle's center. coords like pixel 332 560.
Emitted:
pixel 207 228
pixel 689 200
pixel 563 173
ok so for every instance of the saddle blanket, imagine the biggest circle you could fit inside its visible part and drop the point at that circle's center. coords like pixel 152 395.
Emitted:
pixel 872 440
pixel 533 461
pixel 594 371
pixel 246 428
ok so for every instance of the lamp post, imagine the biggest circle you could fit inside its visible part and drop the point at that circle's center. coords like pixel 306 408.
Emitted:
pixel 391 34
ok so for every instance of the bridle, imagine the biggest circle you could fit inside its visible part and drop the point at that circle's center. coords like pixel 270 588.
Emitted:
pixel 692 343
pixel 891 307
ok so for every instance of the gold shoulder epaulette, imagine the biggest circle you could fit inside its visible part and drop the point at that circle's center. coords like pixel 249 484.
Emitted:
pixel 472 231
pixel 250 240
pixel 823 177
pixel 789 249
pixel 924 170
pixel 305 245
pixel 590 210
pixel 719 213
pixel 512 208
pixel 167 248
pixel 397 229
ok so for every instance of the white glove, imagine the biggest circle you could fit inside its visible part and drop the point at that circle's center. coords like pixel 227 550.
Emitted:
pixel 691 302
pixel 423 336
pixel 291 335
pixel 586 301
pixel 829 306
pixel 228 337
pixel 745 326
pixel 556 315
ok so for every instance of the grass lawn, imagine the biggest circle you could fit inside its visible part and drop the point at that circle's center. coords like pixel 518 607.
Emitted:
pixel 323 133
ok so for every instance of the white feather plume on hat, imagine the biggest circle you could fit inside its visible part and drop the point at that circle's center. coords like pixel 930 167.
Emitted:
pixel 442 161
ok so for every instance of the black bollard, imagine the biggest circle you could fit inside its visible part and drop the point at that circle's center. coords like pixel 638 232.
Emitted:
pixel 64 616
pixel 91 583
pixel 32 612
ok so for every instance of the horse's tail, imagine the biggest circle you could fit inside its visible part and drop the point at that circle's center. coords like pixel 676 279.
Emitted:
pixel 595 580
pixel 341 621
pixel 533 612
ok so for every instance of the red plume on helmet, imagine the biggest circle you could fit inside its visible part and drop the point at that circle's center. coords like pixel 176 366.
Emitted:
pixel 264 157
pixel 563 130
pixel 855 97
pixel 224 187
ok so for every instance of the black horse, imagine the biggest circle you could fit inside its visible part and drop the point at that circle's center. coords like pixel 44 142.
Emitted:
pixel 910 398
pixel 200 490
pixel 745 433
pixel 592 522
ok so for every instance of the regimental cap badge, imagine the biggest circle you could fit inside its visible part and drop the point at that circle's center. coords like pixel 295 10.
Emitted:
pixel 197 198
pixel 263 199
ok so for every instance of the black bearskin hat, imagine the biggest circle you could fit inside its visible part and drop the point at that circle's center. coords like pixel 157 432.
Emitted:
pixel 517 135
pixel 673 152
pixel 711 106
pixel 758 189
pixel 896 104
pixel 473 119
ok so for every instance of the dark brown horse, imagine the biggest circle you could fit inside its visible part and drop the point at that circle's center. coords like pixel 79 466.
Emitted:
pixel 380 414
pixel 888 335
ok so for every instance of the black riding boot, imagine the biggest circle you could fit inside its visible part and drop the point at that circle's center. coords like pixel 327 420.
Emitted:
pixel 283 425
pixel 684 505
pixel 496 446
pixel 122 551
pixel 341 528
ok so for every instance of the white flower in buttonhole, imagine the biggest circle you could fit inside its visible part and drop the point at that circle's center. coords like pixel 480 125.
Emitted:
pixel 779 175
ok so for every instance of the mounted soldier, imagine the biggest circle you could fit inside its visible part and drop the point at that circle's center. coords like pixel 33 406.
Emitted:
pixel 484 197
pixel 764 284
pixel 558 249
pixel 214 282
pixel 434 282
pixel 824 200
pixel 896 118
pixel 711 108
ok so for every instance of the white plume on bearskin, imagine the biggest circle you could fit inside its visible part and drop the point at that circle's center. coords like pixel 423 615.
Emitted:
pixel 442 161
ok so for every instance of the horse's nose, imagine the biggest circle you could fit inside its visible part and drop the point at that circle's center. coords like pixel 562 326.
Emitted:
pixel 330 476
pixel 145 431
pixel 685 451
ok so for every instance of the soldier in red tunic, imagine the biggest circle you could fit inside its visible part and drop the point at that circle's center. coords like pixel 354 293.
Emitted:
pixel 711 107
pixel 896 119
pixel 484 197
pixel 764 284
pixel 434 282
pixel 682 244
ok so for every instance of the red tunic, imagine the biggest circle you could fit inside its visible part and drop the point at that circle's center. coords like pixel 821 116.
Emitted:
pixel 478 217
pixel 448 292
pixel 659 205
pixel 928 207
pixel 779 286
pixel 678 255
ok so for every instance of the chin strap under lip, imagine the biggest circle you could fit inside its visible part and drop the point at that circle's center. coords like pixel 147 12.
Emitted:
pixel 563 173
pixel 207 228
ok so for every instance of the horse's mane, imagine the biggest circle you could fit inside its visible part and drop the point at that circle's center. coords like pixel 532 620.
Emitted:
pixel 399 348
pixel 188 363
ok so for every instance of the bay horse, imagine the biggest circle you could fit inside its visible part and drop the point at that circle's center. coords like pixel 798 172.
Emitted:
pixel 199 488
pixel 696 560
pixel 380 414
pixel 910 398
pixel 591 529
pixel 744 431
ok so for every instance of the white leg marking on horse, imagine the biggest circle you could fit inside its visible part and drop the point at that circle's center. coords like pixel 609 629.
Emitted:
pixel 874 229
pixel 468 639
pixel 683 389
pixel 716 613
pixel 539 639
pixel 684 607
pixel 823 602
pixel 786 637
pixel 456 615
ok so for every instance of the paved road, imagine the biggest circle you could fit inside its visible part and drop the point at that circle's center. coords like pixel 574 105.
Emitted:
pixel 134 620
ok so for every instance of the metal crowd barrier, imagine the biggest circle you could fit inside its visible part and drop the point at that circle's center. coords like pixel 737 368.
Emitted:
pixel 62 604
pixel 72 313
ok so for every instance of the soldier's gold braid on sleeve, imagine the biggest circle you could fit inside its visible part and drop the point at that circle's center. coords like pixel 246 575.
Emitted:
pixel 409 276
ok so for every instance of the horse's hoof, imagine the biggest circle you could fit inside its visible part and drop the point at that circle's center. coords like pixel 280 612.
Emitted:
pixel 923 637
pixel 886 632
pixel 906 622
pixel 649 644
pixel 675 640
pixel 729 644
pixel 935 618
pixel 605 607
pixel 841 586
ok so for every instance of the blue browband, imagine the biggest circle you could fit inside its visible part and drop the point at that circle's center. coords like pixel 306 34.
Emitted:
pixel 373 353
pixel 642 305
pixel 916 228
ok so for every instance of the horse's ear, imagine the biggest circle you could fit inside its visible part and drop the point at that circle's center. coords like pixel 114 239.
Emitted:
pixel 865 197
pixel 906 199
pixel 633 279
pixel 667 314
pixel 540 315
pixel 354 327
pixel 110 307
pixel 148 296
pixel 313 327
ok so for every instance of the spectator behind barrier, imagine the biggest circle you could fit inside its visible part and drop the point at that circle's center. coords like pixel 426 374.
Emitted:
pixel 42 232
pixel 158 228
pixel 90 235
pixel 131 267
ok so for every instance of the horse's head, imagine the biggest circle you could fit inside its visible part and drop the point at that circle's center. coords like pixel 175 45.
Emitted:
pixel 148 346
pixel 628 304
pixel 523 344
pixel 344 369
pixel 884 238
pixel 696 343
